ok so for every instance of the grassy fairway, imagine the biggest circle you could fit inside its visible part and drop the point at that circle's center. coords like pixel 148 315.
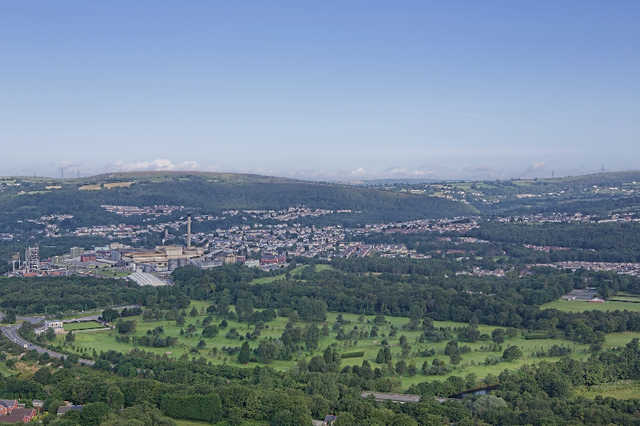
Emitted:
pixel 295 272
pixel 5 371
pixel 472 362
pixel 578 306
pixel 623 389
pixel 617 340
pixel 322 267
pixel 87 325
pixel 189 423
pixel 194 423
pixel 77 314
pixel 266 280
pixel 110 273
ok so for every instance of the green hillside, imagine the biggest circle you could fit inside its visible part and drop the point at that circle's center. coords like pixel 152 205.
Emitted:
pixel 210 193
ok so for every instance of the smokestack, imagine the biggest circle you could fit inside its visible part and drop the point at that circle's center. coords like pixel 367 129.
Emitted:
pixel 189 231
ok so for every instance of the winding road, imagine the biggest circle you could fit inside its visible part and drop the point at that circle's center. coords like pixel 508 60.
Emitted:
pixel 11 332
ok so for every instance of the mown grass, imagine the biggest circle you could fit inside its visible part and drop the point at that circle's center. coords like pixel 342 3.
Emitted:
pixel 295 273
pixel 189 423
pixel 579 306
pixel 472 362
pixel 6 371
pixel 87 325
pixel 110 273
pixel 267 280
pixel 195 423
pixel 73 315
pixel 623 389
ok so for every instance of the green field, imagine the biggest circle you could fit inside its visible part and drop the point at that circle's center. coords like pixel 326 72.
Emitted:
pixel 623 389
pixel 322 267
pixel 266 280
pixel 189 423
pixel 295 272
pixel 73 315
pixel 5 371
pixel 87 325
pixel 579 306
pixel 110 273
pixel 472 362
pixel 625 297
pixel 194 423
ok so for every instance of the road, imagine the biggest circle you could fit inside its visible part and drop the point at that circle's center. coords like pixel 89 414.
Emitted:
pixel 31 320
pixel 11 332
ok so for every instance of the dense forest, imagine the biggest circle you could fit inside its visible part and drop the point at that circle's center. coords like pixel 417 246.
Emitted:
pixel 55 295
pixel 614 242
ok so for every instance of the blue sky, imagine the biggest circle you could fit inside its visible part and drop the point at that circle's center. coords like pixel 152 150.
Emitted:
pixel 332 89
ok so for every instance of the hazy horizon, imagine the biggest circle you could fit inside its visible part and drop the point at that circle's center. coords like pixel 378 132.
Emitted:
pixel 328 91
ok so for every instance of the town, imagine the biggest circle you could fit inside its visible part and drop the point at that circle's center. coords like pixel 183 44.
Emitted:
pixel 265 239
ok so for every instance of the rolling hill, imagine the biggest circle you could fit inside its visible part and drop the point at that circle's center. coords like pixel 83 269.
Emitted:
pixel 210 193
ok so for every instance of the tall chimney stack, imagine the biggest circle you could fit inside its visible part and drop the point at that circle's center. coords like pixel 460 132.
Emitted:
pixel 189 231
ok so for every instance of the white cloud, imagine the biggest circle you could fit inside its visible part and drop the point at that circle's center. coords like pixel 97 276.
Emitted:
pixel 537 165
pixel 161 164
pixel 188 165
pixel 359 171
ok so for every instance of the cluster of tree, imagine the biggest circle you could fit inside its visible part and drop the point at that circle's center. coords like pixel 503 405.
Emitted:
pixel 506 302
pixel 155 341
pixel 58 294
pixel 126 326
pixel 109 314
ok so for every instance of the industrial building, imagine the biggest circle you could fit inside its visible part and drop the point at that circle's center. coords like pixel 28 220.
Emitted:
pixel 163 258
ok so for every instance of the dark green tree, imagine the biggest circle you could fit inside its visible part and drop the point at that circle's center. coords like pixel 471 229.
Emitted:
pixel 244 356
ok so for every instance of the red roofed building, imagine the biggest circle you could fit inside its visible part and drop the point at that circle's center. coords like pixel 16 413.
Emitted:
pixel 7 406
pixel 18 415
pixel 270 259
pixel 88 258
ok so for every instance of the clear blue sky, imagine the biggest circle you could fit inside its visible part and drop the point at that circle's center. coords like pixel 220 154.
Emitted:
pixel 323 88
